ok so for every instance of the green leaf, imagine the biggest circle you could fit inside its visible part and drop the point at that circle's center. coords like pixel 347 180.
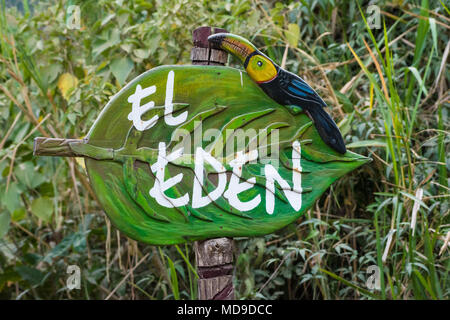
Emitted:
pixel 433 31
pixel 21 132
pixel 61 248
pixel 348 283
pixel 76 241
pixel 412 197
pixel 28 176
pixel 42 208
pixel 345 124
pixel 293 35
pixel 367 143
pixel 105 42
pixel 108 18
pixel 173 279
pixel 72 118
pixel 141 53
pixel 50 72
pixel 342 98
pixel 419 79
pixel 11 198
pixel 187 261
pixel 5 219
pixel 18 214
pixel 121 68
pixel 31 275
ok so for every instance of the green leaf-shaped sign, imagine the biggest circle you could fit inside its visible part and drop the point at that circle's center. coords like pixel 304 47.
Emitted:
pixel 186 153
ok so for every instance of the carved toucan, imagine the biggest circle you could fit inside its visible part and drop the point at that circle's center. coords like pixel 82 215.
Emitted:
pixel 282 86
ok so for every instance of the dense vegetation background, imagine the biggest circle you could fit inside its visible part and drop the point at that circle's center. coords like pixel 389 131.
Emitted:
pixel 388 88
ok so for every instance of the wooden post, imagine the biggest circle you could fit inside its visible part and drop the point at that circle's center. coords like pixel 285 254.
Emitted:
pixel 214 257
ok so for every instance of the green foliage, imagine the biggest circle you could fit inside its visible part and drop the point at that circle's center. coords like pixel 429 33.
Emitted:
pixel 393 109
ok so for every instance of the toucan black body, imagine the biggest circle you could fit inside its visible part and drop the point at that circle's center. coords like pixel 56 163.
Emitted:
pixel 282 86
pixel 289 89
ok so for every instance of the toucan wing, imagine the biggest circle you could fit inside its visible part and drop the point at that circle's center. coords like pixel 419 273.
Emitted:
pixel 297 88
pixel 305 97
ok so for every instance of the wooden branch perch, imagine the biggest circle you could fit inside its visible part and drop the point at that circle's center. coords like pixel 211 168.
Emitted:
pixel 57 147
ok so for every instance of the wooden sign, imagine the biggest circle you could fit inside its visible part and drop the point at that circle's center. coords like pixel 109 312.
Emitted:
pixel 185 153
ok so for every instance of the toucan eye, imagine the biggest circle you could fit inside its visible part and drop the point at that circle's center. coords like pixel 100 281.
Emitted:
pixel 259 63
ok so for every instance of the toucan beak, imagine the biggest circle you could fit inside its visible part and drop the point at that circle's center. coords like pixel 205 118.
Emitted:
pixel 235 45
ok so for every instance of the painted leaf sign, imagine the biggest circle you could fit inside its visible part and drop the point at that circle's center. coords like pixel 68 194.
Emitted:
pixel 185 153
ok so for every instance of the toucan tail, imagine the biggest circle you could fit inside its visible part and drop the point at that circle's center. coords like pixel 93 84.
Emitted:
pixel 327 128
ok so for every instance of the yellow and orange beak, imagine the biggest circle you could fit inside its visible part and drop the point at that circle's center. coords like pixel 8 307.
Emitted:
pixel 258 66
pixel 234 44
